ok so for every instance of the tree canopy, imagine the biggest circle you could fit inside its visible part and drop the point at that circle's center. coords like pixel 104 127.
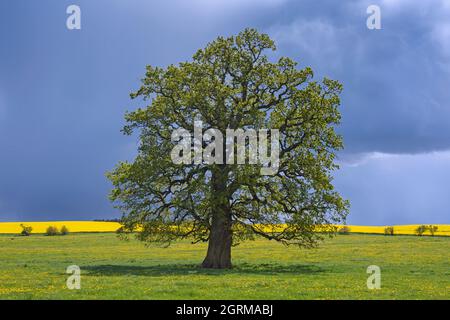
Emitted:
pixel 232 84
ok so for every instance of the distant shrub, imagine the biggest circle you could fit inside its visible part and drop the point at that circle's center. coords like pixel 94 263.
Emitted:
pixel 432 229
pixel 120 230
pixel 52 231
pixel 389 231
pixel 26 230
pixel 420 230
pixel 344 230
pixel 64 230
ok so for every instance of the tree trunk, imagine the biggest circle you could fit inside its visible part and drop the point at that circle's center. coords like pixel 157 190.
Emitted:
pixel 219 246
pixel 220 237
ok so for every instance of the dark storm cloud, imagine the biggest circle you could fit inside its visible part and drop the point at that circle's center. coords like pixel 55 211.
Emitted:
pixel 396 80
pixel 387 189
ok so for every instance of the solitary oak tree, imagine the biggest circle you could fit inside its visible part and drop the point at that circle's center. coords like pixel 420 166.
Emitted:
pixel 232 84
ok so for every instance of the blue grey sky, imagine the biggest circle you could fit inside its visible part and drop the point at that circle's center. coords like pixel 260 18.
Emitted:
pixel 63 94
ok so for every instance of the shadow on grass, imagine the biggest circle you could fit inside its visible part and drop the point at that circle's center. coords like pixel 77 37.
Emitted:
pixel 191 269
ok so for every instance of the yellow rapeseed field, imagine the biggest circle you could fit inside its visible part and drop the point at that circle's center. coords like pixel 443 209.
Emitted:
pixel 73 226
pixel 443 229
pixel 95 226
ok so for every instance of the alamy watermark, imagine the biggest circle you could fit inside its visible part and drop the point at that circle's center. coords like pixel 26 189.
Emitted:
pixel 239 146
pixel 73 21
pixel 74 280
pixel 373 22
pixel 374 280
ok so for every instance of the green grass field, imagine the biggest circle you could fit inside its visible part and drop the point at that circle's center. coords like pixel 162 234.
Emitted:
pixel 412 268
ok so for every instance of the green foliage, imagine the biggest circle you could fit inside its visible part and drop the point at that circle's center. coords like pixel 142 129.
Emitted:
pixel 232 84
pixel 420 230
pixel 344 230
pixel 64 231
pixel 389 231
pixel 52 231
pixel 120 230
pixel 26 230
pixel 432 229
pixel 424 228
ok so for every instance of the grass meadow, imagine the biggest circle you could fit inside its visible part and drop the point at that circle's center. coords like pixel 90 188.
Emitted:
pixel 411 268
